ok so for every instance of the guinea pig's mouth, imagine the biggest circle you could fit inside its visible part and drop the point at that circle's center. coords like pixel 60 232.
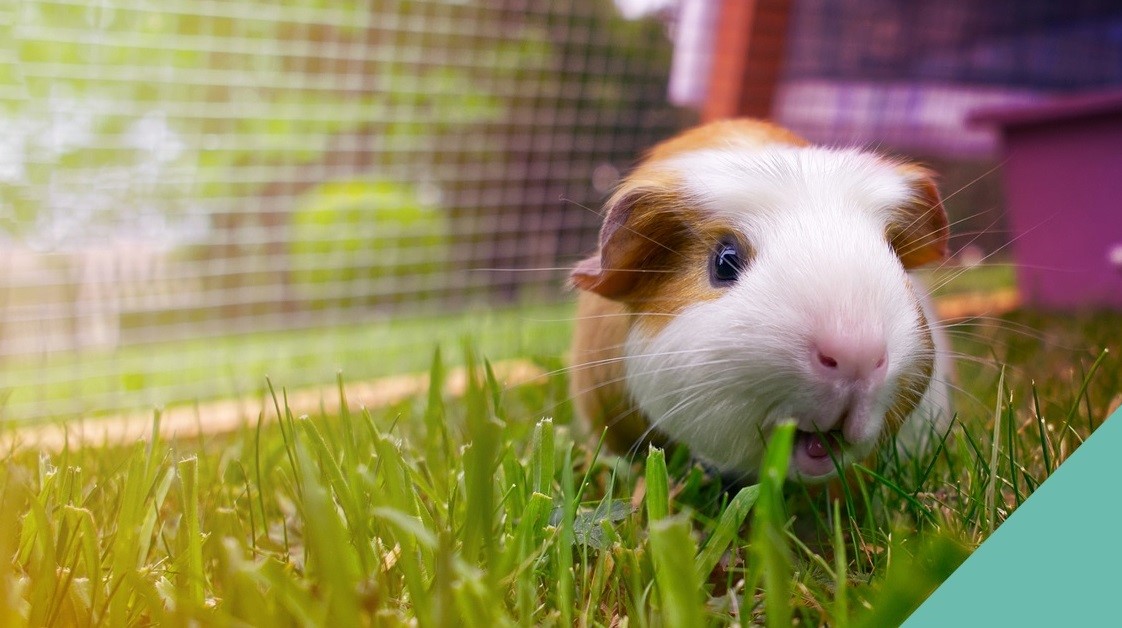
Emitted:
pixel 817 454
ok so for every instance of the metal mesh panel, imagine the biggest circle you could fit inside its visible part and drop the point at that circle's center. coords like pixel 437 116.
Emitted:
pixel 183 183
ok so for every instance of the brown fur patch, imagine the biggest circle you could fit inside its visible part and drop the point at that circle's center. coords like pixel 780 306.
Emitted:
pixel 913 386
pixel 921 231
pixel 687 282
pixel 597 384
pixel 641 222
pixel 721 133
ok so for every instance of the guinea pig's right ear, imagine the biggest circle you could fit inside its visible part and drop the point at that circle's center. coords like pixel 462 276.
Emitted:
pixel 641 225
pixel 920 232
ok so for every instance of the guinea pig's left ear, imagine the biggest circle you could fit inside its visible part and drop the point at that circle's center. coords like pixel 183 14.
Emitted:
pixel 589 275
pixel 919 233
pixel 607 272
pixel 642 227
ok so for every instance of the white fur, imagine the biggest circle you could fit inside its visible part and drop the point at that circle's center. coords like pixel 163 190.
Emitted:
pixel 723 373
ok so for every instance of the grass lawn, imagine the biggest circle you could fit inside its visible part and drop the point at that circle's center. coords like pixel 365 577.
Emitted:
pixel 495 509
pixel 184 371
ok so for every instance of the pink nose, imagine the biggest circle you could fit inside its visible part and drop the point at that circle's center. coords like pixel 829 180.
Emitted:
pixel 851 357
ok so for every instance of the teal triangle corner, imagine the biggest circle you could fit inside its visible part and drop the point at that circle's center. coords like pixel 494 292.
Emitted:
pixel 1056 561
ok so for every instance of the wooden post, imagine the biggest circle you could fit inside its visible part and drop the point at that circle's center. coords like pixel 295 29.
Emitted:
pixel 747 58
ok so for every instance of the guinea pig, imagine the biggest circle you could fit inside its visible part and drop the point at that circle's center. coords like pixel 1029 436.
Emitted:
pixel 745 278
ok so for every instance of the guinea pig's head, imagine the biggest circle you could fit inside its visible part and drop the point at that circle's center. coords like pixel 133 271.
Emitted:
pixel 768 284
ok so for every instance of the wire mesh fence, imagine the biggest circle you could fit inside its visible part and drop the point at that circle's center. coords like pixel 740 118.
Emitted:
pixel 196 194
pixel 184 183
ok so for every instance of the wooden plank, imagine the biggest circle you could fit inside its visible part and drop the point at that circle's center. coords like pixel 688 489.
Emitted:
pixel 747 58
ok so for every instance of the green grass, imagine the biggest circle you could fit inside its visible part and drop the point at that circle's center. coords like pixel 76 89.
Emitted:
pixel 952 279
pixel 492 509
pixel 226 365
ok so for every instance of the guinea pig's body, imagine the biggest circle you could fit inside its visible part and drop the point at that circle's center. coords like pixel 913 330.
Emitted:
pixel 745 278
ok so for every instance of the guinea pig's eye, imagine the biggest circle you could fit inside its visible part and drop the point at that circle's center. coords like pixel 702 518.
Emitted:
pixel 727 263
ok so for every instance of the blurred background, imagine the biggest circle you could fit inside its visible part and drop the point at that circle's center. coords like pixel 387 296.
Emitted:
pixel 194 195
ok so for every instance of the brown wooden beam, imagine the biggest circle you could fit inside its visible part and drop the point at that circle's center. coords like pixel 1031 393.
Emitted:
pixel 747 58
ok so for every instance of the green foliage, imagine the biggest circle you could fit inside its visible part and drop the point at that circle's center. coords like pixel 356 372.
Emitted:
pixel 354 241
pixel 235 88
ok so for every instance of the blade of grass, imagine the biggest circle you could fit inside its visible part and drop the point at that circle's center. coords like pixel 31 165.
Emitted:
pixel 192 580
pixel 519 553
pixel 350 443
pixel 1011 449
pixel 287 435
pixel 1079 396
pixel 939 449
pixel 563 567
pixel 543 457
pixel 394 491
pixel 480 461
pixel 726 530
pixel 991 486
pixel 841 578
pixel 439 447
pixel 349 503
pixel 331 556
pixel 41 560
pixel 772 562
pixel 1045 442
pixel 658 485
pixel 86 530
pixel 260 485
pixel 591 466
pixel 496 390
pixel 916 505
pixel 679 587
